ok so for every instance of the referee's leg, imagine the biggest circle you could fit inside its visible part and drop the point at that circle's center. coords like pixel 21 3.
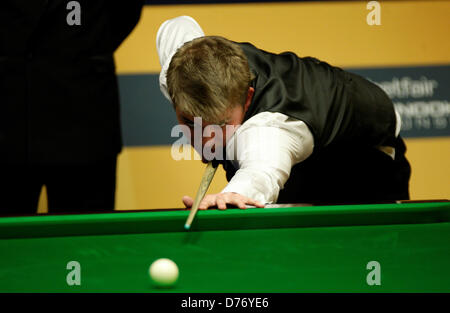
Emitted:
pixel 20 187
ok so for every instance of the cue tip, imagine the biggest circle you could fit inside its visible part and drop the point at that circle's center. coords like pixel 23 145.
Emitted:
pixel 187 226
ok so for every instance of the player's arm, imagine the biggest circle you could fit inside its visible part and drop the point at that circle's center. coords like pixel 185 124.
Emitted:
pixel 264 149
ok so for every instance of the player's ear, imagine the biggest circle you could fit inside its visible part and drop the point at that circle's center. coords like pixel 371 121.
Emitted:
pixel 248 101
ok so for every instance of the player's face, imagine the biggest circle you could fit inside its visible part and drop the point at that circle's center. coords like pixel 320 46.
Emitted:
pixel 210 138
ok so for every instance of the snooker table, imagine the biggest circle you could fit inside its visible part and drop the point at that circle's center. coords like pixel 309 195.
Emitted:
pixel 277 249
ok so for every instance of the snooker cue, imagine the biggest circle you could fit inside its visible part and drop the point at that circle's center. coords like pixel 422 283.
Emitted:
pixel 204 184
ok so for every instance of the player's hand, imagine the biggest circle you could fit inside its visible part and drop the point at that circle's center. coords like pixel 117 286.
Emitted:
pixel 220 200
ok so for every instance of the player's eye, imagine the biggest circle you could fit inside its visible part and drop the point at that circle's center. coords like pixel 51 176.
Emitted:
pixel 188 122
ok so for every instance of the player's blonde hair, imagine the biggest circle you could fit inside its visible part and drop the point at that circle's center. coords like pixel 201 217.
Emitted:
pixel 208 76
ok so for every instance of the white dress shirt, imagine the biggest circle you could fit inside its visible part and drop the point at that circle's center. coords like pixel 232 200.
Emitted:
pixel 266 146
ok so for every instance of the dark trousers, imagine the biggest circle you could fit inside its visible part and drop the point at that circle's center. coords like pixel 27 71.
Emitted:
pixel 73 188
pixel 349 175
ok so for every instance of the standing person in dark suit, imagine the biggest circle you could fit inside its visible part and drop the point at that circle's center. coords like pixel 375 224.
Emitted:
pixel 59 102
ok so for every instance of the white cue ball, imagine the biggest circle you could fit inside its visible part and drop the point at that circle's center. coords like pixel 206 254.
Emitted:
pixel 164 272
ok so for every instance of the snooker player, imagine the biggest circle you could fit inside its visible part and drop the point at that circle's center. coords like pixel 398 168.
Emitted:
pixel 304 131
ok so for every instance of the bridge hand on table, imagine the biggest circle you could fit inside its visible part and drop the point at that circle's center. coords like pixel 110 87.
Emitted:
pixel 220 200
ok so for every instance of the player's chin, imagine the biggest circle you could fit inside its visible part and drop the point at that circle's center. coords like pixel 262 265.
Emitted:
pixel 215 162
pixel 206 161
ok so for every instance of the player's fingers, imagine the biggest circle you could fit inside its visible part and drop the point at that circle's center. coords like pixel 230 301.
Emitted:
pixel 203 206
pixel 221 203
pixel 188 201
pixel 233 198
pixel 239 203
pixel 254 202
pixel 208 201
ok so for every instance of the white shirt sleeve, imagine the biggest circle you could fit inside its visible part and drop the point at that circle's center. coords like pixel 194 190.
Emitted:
pixel 264 149
pixel 171 35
